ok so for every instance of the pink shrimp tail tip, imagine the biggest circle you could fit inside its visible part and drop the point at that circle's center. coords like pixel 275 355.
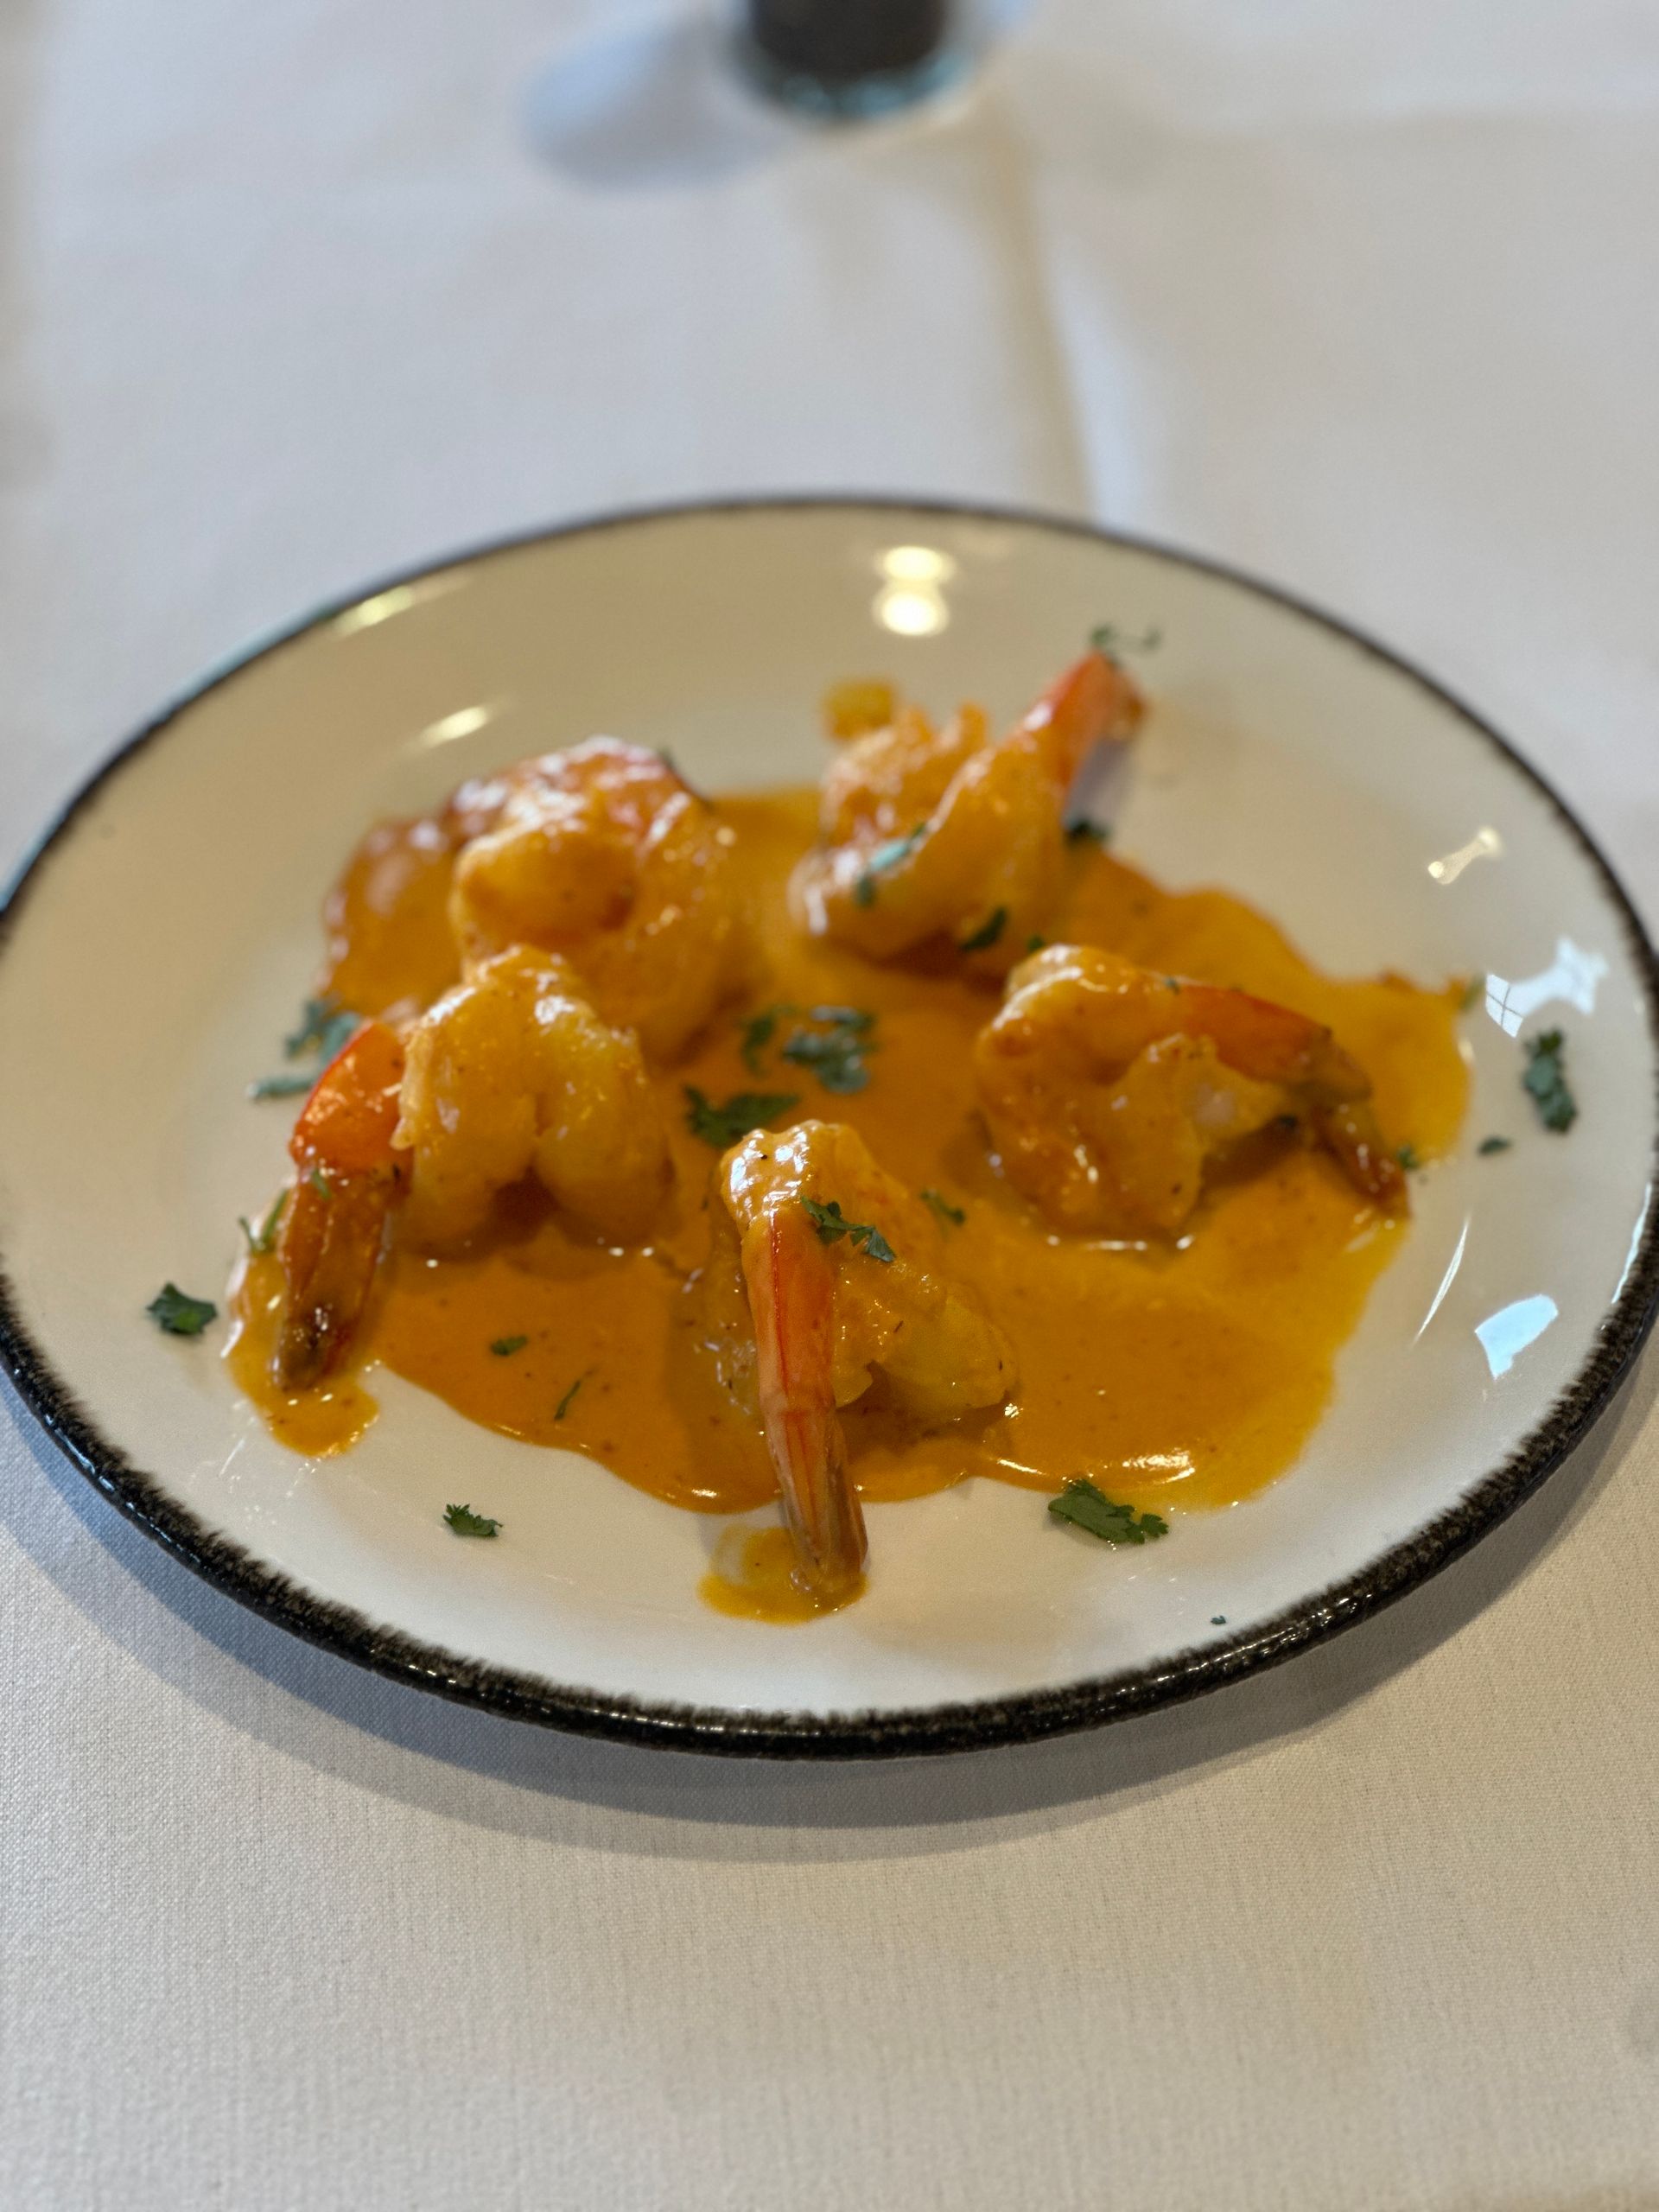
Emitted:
pixel 791 1280
pixel 1092 702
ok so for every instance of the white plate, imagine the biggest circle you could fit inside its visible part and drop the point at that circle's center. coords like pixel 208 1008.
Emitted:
pixel 168 926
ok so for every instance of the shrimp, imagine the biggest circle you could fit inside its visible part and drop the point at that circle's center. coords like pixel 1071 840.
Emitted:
pixel 604 855
pixel 513 1073
pixel 927 835
pixel 350 1173
pixel 825 1272
pixel 1108 1089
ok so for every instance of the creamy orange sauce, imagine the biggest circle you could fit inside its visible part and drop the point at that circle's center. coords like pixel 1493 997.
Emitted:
pixel 1184 1377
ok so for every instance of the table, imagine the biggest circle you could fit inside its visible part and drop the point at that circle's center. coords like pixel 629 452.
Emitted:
pixel 1363 297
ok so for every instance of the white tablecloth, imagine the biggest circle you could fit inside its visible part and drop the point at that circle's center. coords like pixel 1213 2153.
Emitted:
pixel 1362 296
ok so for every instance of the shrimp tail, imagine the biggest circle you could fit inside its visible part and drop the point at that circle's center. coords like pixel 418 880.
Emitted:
pixel 790 1281
pixel 1094 702
pixel 328 1249
pixel 332 1227
pixel 1350 1132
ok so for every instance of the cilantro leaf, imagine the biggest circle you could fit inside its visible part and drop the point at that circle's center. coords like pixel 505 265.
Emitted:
pixel 1408 1156
pixel 1494 1144
pixel 1545 1079
pixel 180 1314
pixel 942 1207
pixel 832 1050
pixel 1100 832
pixel 832 1224
pixel 1089 1508
pixel 988 932
pixel 325 1026
pixel 564 1404
pixel 465 1523
pixel 884 857
pixel 722 1125
pixel 314 1015
pixel 1106 637
pixel 1035 942
pixel 834 1056
pixel 264 1239
pixel 756 1032
pixel 505 1347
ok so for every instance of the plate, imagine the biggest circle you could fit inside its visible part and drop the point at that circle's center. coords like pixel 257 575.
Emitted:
pixel 167 927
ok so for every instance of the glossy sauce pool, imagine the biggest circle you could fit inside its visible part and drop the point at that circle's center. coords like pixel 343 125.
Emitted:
pixel 1185 1378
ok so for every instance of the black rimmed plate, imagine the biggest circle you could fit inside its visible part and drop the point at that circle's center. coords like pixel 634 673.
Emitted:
pixel 166 928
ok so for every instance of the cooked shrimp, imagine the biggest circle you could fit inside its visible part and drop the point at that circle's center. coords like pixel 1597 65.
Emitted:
pixel 1109 1089
pixel 512 1073
pixel 825 1271
pixel 333 1223
pixel 942 835
pixel 604 855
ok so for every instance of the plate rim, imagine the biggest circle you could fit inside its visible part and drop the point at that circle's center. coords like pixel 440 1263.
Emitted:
pixel 1028 1716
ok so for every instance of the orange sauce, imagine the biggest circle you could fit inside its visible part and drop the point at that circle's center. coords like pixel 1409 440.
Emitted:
pixel 1188 1377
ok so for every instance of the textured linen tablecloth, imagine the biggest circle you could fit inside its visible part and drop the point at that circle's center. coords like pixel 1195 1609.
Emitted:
pixel 1362 296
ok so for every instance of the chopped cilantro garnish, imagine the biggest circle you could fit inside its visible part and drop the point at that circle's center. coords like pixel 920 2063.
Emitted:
pixel 465 1523
pixel 836 1056
pixel 942 1207
pixel 180 1314
pixel 1106 637
pixel 988 932
pixel 1089 1508
pixel 325 1027
pixel 505 1347
pixel 720 1126
pixel 564 1404
pixel 1218 1620
pixel 884 857
pixel 756 1034
pixel 831 1225
pixel 264 1239
pixel 1545 1079
pixel 314 1016
pixel 1494 1144
pixel 1407 1156
pixel 1099 832
pixel 832 1049
pixel 1035 942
